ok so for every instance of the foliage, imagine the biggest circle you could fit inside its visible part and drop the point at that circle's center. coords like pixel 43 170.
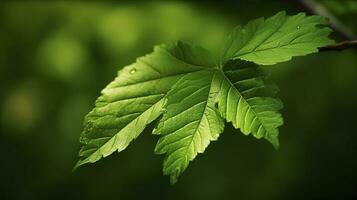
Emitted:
pixel 192 93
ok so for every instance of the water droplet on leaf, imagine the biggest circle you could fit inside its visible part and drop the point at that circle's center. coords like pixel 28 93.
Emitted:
pixel 132 71
pixel 298 27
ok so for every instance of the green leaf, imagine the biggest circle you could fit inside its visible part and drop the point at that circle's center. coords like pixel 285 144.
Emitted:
pixel 135 98
pixel 190 122
pixel 192 95
pixel 277 39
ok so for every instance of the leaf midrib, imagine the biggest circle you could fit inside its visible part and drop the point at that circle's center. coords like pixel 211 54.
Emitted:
pixel 264 40
pixel 203 114
pixel 198 124
pixel 250 106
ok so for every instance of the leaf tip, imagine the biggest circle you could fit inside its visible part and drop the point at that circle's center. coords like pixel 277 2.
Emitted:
pixel 80 163
pixel 173 179
pixel 77 165
pixel 274 141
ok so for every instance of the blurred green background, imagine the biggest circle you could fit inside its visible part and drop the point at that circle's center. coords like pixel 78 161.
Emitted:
pixel 55 57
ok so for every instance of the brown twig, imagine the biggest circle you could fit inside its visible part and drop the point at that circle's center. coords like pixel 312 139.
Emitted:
pixel 339 46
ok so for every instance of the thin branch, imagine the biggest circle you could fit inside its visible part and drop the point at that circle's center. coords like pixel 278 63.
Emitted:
pixel 313 7
pixel 340 46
